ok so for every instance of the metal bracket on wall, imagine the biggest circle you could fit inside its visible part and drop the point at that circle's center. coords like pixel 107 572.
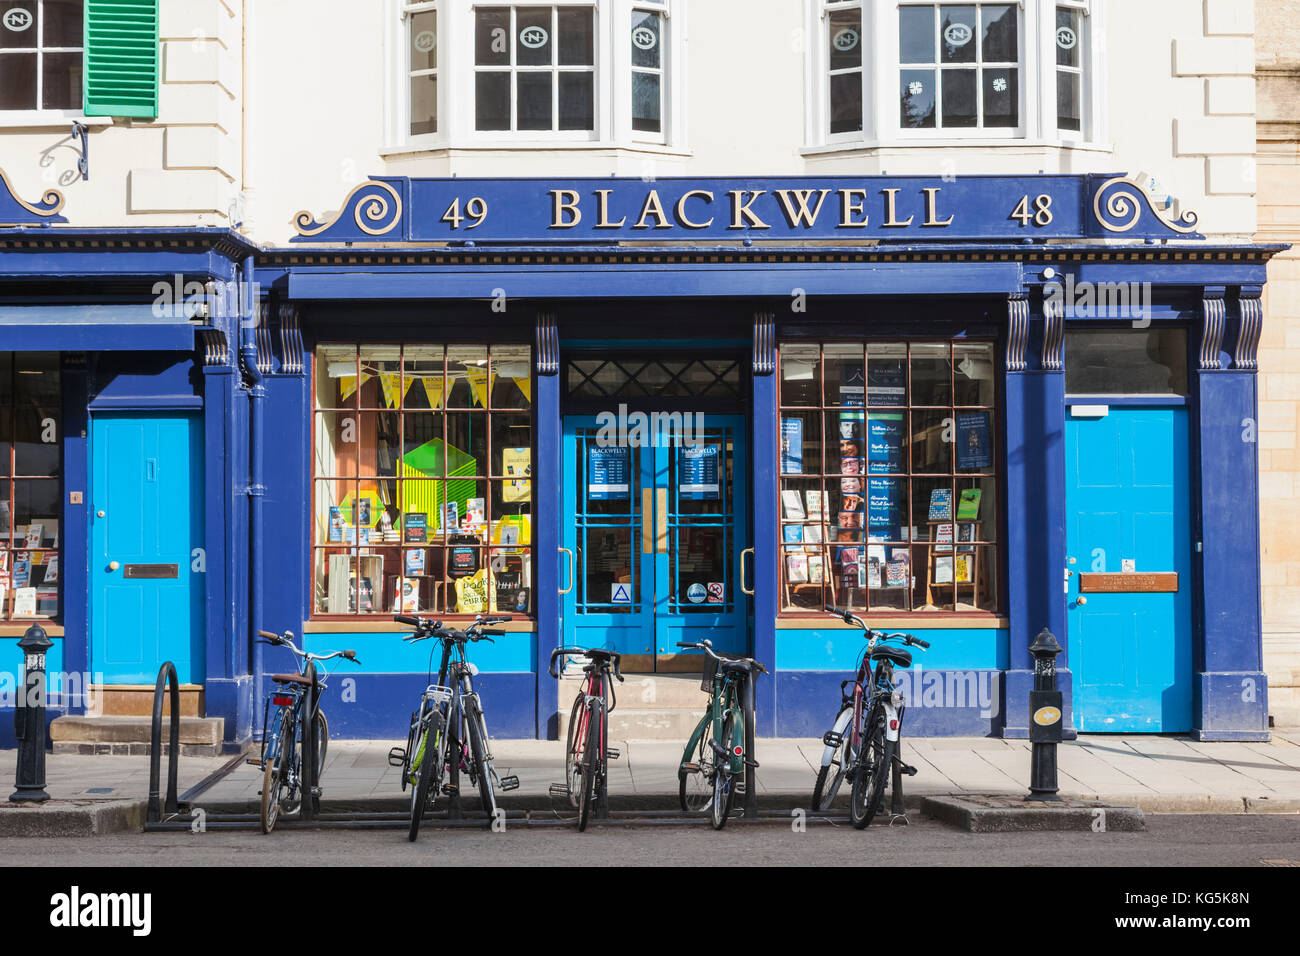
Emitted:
pixel 81 132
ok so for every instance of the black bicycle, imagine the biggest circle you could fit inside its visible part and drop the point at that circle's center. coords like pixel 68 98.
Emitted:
pixel 587 756
pixel 863 745
pixel 284 783
pixel 448 734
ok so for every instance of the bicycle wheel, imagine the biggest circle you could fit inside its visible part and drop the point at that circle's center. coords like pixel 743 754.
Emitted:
pixel 483 769
pixel 873 772
pixel 724 782
pixel 831 776
pixel 428 775
pixel 695 790
pixel 274 771
pixel 591 755
pixel 573 752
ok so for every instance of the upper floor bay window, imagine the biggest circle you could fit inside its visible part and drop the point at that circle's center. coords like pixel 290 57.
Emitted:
pixel 901 72
pixel 40 55
pixel 511 75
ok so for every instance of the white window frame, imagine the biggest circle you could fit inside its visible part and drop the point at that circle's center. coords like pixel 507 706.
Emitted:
pixel 39 117
pixel 613 81
pixel 1037 81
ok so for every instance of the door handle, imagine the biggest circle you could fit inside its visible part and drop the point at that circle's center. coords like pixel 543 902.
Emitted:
pixel 647 516
pixel 570 587
pixel 750 552
pixel 661 520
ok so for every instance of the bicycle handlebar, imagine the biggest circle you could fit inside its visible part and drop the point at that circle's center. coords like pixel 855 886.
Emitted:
pixel 286 640
pixel 707 647
pixel 614 660
pixel 850 618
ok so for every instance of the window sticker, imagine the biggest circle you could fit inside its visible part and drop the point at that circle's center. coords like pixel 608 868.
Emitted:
pixel 1065 38
pixel 958 34
pixel 643 38
pixel 18 19
pixel 845 40
pixel 534 37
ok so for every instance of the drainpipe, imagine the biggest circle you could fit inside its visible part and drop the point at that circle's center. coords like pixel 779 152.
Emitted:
pixel 251 315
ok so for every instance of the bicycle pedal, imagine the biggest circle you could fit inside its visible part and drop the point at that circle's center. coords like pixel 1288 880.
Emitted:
pixel 509 783
pixel 450 789
pixel 254 763
pixel 907 769
pixel 690 768
pixel 832 739
pixel 397 757
pixel 559 790
pixel 611 754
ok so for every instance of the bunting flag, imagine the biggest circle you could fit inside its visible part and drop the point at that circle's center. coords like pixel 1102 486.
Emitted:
pixel 479 384
pixel 435 389
pixel 390 381
pixel 348 385
pixel 526 386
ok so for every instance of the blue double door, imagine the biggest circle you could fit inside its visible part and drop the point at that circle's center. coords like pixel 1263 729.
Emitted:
pixel 654 530
pixel 1129 578
pixel 147 565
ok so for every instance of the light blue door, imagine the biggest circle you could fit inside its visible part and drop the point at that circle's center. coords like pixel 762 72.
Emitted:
pixel 146 501
pixel 1129 514
pixel 654 535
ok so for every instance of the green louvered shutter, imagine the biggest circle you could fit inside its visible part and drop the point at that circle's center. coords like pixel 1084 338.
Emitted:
pixel 121 58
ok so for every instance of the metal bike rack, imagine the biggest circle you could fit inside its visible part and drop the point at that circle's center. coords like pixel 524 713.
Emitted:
pixel 155 809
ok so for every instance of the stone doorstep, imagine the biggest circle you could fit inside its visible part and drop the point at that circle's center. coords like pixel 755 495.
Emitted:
pixel 646 725
pixel 1000 813
pixel 72 748
pixel 74 729
pixel 136 700
pixel 71 818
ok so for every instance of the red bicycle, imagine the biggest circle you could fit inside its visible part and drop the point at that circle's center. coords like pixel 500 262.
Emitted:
pixel 587 756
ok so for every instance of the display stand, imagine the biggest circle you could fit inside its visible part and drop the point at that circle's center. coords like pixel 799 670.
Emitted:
pixel 978 585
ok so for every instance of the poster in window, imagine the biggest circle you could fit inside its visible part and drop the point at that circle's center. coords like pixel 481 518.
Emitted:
pixel 852 386
pixel 974 443
pixel 516 465
pixel 886 382
pixel 885 444
pixel 792 446
pixel 607 473
pixel 697 472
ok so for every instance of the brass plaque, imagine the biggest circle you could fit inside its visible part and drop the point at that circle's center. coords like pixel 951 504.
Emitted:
pixel 1165 582
pixel 151 571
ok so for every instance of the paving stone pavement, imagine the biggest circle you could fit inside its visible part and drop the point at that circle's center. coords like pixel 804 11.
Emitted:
pixel 1172 773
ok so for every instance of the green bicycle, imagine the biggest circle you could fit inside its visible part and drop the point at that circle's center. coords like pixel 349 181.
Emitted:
pixel 714 762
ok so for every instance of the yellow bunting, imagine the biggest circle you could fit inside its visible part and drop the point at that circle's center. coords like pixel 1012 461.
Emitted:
pixel 525 384
pixel 479 384
pixel 348 385
pixel 390 383
pixel 435 389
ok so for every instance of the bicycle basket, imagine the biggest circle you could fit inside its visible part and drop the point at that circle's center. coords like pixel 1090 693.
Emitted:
pixel 710 673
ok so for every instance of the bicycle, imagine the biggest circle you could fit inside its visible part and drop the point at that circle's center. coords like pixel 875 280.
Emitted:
pixel 863 743
pixel 283 783
pixel 587 755
pixel 718 741
pixel 449 718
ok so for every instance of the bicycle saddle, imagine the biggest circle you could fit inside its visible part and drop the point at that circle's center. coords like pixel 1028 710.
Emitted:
pixel 600 654
pixel 898 655
pixel 292 679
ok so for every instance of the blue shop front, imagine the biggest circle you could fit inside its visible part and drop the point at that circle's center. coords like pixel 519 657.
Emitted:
pixel 633 414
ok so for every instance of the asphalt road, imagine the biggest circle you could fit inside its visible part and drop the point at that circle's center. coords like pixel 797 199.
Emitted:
pixel 1170 841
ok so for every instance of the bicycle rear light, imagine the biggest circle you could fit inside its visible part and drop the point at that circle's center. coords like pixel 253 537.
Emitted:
pixel 738 750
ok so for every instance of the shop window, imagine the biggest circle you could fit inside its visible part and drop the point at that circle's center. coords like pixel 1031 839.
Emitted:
pixel 30 459
pixel 40 55
pixel 1126 362
pixel 888 465
pixel 1071 82
pixel 423 480
pixel 535 68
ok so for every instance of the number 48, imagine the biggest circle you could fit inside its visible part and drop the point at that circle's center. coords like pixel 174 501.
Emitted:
pixel 1041 214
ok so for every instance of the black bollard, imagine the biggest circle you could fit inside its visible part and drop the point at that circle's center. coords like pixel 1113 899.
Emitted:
pixel 1045 718
pixel 29 719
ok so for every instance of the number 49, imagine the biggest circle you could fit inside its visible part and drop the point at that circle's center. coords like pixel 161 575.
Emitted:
pixel 1041 214
pixel 475 209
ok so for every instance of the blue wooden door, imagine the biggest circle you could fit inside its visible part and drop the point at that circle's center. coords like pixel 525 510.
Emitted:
pixel 1128 508
pixel 146 512
pixel 654 534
